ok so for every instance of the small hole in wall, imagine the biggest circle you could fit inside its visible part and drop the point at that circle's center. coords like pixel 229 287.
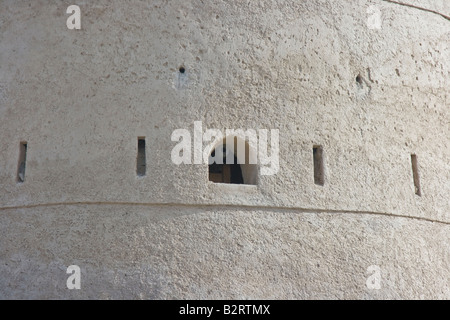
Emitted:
pixel 319 172
pixel 22 162
pixel 416 179
pixel 359 79
pixel 182 70
pixel 141 159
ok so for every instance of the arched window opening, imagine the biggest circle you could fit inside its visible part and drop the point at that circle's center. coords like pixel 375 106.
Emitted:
pixel 233 172
pixel 225 173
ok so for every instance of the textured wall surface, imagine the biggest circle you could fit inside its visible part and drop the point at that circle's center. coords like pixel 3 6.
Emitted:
pixel 312 69
pixel 219 253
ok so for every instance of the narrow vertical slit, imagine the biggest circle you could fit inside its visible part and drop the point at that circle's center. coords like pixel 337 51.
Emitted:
pixel 319 175
pixel 22 162
pixel 415 169
pixel 141 162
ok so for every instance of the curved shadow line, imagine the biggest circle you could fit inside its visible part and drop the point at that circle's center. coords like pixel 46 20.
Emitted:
pixel 420 8
pixel 207 205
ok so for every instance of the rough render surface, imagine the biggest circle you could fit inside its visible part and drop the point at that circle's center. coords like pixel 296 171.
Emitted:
pixel 80 98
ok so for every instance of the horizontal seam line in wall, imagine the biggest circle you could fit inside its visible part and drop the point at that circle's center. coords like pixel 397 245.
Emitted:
pixel 418 7
pixel 243 206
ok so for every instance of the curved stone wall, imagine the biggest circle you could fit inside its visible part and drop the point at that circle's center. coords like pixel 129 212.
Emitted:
pixel 367 81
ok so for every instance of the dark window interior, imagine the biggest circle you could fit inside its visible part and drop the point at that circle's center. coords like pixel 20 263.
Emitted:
pixel 225 173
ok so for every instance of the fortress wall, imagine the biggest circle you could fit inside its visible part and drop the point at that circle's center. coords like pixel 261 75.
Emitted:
pixel 177 252
pixel 314 70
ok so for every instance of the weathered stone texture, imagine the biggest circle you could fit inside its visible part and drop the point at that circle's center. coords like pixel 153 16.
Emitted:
pixel 80 98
